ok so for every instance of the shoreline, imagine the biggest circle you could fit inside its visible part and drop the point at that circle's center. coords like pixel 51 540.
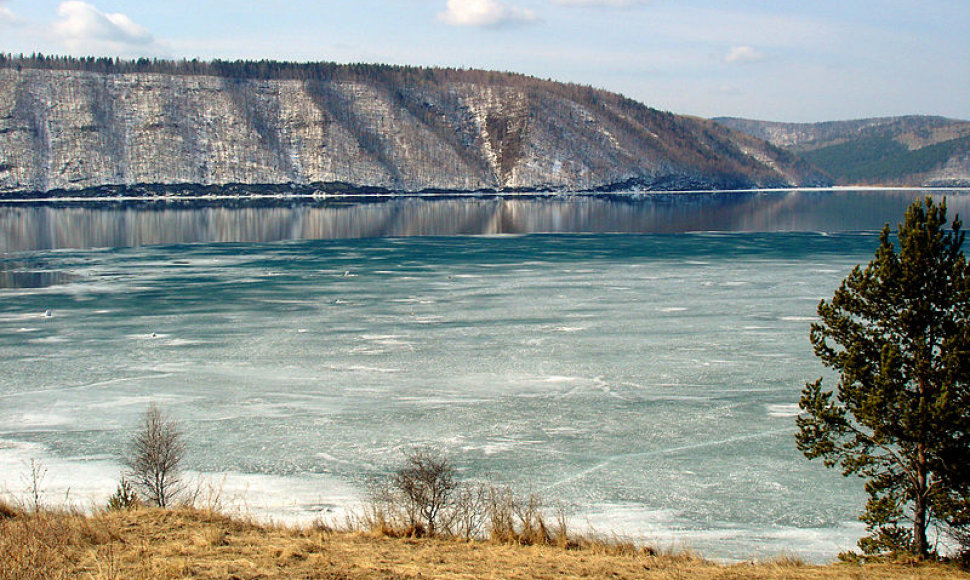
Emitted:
pixel 300 501
pixel 194 542
pixel 79 197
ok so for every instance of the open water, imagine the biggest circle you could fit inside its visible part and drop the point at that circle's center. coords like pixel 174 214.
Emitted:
pixel 636 359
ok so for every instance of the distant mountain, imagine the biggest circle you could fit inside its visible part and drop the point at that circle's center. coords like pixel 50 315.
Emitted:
pixel 73 124
pixel 913 150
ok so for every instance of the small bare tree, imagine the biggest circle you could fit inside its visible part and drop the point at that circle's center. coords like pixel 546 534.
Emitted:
pixel 427 481
pixel 154 458
pixel 469 513
pixel 34 480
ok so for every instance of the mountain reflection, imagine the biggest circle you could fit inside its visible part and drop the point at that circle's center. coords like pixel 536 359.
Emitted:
pixel 57 226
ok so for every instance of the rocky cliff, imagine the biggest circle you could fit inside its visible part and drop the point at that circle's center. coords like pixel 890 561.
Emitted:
pixel 394 128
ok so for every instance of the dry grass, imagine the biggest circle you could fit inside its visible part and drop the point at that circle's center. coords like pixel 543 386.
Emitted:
pixel 167 544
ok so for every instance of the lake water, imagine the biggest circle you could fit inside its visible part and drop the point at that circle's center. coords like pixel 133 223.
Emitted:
pixel 637 359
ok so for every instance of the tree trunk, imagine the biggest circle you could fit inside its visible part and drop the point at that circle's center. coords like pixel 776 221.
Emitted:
pixel 920 545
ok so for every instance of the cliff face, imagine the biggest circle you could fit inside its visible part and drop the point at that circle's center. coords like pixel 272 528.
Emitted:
pixel 79 129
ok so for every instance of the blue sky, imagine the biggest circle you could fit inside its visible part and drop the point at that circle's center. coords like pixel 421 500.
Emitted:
pixel 809 60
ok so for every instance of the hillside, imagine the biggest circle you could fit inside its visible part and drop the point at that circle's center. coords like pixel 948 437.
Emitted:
pixel 913 150
pixel 73 124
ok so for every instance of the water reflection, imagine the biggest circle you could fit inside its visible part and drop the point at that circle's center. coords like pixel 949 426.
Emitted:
pixel 55 226
pixel 18 275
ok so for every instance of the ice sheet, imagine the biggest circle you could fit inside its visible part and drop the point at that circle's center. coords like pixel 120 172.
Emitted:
pixel 663 410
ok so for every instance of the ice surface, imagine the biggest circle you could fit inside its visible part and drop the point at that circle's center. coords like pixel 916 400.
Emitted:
pixel 647 382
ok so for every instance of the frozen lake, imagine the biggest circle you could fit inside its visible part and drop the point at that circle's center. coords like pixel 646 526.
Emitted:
pixel 648 381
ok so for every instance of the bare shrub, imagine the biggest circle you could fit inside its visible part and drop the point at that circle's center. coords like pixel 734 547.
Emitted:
pixel 532 521
pixel 385 514
pixel 426 484
pixel 469 512
pixel 501 515
pixel 34 481
pixel 519 520
pixel 154 458
pixel 425 498
pixel 205 495
pixel 561 531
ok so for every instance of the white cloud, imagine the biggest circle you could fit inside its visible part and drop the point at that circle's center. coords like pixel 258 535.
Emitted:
pixel 84 28
pixel 742 54
pixel 7 16
pixel 607 3
pixel 484 13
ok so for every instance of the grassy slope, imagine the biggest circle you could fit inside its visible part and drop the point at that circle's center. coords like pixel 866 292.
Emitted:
pixel 187 543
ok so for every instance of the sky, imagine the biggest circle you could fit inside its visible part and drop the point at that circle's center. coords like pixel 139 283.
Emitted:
pixel 780 60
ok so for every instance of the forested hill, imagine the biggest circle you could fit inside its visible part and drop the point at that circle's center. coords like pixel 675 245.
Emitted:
pixel 84 123
pixel 912 150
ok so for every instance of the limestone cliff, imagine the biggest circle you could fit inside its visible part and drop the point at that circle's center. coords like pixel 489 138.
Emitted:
pixel 413 130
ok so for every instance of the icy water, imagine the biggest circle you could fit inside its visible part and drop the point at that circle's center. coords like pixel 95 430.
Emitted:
pixel 647 381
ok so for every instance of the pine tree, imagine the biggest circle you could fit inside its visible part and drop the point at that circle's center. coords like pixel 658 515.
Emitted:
pixel 897 332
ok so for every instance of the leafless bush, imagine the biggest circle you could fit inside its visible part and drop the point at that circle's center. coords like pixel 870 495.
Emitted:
pixel 418 498
pixel 384 514
pixel 469 512
pixel 425 498
pixel 501 515
pixel 426 482
pixel 34 481
pixel 154 458
pixel 519 520
pixel 205 494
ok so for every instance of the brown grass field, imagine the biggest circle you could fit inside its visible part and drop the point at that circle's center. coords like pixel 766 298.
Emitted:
pixel 189 543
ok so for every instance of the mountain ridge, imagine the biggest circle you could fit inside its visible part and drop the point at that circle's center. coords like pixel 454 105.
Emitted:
pixel 905 150
pixel 75 124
